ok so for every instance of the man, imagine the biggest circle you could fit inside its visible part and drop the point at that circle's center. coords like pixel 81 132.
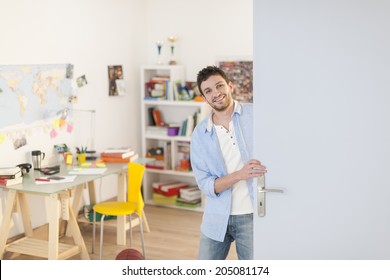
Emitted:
pixel 221 158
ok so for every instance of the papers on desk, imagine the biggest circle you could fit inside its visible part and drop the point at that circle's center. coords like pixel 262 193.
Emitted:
pixel 64 179
pixel 87 171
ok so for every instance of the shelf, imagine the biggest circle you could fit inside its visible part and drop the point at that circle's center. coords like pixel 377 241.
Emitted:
pixel 40 248
pixel 109 223
pixel 174 112
pixel 170 172
pixel 168 138
pixel 197 209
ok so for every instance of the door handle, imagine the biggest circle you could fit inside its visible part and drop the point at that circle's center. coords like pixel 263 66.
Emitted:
pixel 261 191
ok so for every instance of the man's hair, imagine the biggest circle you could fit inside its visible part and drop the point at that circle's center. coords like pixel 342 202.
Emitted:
pixel 205 73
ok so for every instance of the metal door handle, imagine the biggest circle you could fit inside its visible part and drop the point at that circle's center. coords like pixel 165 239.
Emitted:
pixel 261 191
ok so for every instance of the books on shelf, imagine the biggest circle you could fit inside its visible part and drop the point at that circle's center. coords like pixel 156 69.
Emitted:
pixel 158 118
pixel 11 182
pixel 164 200
pixel 183 157
pixel 168 188
pixel 190 193
pixel 188 203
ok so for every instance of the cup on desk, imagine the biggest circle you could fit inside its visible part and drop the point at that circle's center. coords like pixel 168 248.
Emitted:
pixel 37 157
pixel 81 158
pixel 68 157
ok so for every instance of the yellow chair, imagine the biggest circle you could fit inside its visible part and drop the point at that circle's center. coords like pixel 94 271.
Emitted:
pixel 134 204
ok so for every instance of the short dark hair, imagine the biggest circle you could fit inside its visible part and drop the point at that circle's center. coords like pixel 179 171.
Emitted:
pixel 208 71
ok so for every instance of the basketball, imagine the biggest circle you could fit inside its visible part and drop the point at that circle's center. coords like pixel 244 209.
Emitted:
pixel 130 254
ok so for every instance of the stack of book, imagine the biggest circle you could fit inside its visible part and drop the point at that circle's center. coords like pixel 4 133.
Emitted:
pixel 189 197
pixel 160 161
pixel 118 155
pixel 10 176
pixel 167 193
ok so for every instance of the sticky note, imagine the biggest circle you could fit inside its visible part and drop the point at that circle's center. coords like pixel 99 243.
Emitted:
pixel 2 138
pixel 53 133
pixel 56 123
pixel 69 128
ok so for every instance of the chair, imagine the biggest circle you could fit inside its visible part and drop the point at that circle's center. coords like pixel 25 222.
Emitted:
pixel 134 204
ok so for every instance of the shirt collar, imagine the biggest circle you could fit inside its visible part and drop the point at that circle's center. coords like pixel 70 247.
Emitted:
pixel 237 109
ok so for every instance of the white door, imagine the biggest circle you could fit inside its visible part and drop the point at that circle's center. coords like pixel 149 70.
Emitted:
pixel 322 122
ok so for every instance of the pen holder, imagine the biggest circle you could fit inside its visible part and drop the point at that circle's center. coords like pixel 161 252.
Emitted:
pixel 81 158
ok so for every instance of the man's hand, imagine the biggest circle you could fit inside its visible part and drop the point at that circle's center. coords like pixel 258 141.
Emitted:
pixel 253 168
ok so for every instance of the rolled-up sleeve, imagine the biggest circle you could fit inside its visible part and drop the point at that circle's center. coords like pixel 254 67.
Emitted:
pixel 200 162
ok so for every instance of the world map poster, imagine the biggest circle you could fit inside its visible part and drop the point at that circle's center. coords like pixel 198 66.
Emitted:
pixel 32 93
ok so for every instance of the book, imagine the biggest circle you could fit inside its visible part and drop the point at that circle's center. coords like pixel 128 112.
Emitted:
pixel 9 170
pixel 168 189
pixel 12 176
pixel 190 126
pixel 190 193
pixel 150 115
pixel 164 200
pixel 118 155
pixel 111 159
pixel 157 164
pixel 118 150
pixel 11 182
pixel 158 119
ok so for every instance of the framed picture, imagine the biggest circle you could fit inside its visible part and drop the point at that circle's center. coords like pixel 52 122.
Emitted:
pixel 115 80
pixel 240 72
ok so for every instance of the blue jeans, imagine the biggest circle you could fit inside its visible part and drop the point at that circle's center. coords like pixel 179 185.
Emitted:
pixel 240 229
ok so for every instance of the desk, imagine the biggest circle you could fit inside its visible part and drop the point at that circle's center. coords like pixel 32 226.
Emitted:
pixel 58 196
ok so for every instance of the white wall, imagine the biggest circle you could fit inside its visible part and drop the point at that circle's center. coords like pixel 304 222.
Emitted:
pixel 92 34
pixel 205 29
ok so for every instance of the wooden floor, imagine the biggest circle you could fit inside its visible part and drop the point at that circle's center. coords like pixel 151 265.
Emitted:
pixel 174 235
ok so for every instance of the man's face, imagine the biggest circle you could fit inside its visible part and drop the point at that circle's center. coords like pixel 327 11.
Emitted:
pixel 217 93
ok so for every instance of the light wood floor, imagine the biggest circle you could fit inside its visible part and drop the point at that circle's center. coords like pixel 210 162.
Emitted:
pixel 174 235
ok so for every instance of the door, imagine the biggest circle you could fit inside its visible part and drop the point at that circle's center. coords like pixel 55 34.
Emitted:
pixel 322 122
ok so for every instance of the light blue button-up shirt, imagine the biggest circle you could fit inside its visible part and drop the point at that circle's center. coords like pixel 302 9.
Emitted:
pixel 208 164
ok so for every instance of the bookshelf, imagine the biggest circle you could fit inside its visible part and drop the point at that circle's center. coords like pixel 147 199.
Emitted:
pixel 174 112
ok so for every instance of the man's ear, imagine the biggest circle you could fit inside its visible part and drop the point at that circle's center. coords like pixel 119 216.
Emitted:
pixel 230 84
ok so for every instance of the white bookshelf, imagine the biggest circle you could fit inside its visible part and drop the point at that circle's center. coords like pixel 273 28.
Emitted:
pixel 173 112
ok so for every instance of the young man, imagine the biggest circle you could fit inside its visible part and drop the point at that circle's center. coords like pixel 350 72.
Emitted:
pixel 221 158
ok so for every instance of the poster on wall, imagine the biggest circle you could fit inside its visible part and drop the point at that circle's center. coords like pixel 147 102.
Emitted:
pixel 115 80
pixel 240 72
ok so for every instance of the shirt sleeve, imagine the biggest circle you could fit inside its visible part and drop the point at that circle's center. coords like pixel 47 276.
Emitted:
pixel 203 176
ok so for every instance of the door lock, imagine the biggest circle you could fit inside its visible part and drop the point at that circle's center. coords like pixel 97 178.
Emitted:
pixel 261 191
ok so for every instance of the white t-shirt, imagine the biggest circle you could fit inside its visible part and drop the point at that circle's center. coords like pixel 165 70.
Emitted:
pixel 241 203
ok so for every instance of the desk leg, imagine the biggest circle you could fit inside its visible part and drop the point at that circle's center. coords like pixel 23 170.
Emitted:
pixel 4 230
pixel 91 192
pixel 77 196
pixel 76 234
pixel 121 220
pixel 53 218
pixel 25 212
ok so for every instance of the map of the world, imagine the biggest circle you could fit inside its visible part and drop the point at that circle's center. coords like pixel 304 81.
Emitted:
pixel 31 93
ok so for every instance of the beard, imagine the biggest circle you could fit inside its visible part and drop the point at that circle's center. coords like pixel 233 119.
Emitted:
pixel 223 104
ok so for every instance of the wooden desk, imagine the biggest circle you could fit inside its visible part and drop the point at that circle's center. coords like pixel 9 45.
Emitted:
pixel 58 202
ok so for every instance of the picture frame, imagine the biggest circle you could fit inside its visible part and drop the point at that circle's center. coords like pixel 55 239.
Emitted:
pixel 240 71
